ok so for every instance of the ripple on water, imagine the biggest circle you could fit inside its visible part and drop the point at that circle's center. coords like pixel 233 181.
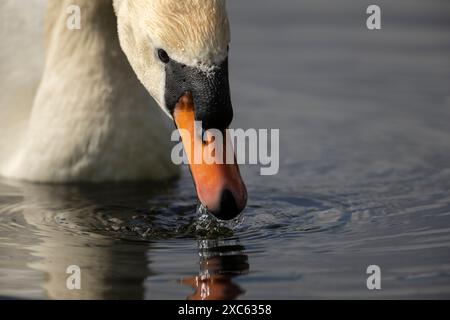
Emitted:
pixel 264 219
pixel 295 230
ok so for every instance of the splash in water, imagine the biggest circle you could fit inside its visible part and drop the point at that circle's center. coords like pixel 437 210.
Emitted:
pixel 209 224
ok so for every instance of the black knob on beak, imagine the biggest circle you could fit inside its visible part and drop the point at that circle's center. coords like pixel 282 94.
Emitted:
pixel 210 89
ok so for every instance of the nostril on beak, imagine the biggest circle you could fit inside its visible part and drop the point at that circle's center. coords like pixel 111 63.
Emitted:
pixel 228 208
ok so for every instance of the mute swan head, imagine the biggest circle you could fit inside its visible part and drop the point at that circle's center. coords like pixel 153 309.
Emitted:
pixel 161 37
pixel 179 51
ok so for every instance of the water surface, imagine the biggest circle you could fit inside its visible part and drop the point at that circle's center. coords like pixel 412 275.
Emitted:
pixel 364 176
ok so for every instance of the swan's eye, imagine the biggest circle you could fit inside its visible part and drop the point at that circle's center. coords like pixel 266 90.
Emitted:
pixel 163 56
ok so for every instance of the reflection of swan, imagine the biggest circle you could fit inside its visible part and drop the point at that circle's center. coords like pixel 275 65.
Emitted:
pixel 219 264
pixel 71 225
pixel 92 120
pixel 62 219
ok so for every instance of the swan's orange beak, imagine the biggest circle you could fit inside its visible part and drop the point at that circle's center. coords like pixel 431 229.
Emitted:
pixel 219 186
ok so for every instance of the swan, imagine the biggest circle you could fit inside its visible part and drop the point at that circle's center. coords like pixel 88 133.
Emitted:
pixel 93 115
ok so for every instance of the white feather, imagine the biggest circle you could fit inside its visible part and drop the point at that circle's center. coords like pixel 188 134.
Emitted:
pixel 91 118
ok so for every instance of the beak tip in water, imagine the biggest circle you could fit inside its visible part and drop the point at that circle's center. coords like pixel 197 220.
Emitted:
pixel 228 208
pixel 219 186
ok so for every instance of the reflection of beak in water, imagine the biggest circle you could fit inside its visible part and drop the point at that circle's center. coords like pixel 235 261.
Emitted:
pixel 220 262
